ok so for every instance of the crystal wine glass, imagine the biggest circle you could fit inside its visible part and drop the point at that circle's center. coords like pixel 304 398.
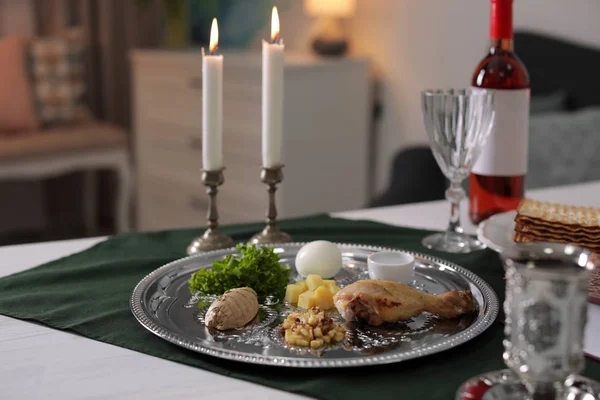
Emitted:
pixel 458 122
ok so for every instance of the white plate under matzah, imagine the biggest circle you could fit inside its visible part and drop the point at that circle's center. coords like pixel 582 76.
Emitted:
pixel 497 231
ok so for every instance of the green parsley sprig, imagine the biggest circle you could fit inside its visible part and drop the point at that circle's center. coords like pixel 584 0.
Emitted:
pixel 257 268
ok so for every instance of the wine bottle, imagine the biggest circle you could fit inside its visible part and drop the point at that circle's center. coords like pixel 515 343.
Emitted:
pixel 497 179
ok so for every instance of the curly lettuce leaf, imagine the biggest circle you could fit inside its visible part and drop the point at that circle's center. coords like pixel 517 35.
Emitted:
pixel 257 268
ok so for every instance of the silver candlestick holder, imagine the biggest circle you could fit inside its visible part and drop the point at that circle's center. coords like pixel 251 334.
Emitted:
pixel 271 234
pixel 213 238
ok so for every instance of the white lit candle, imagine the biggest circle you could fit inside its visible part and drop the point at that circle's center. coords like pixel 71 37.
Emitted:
pixel 272 95
pixel 212 104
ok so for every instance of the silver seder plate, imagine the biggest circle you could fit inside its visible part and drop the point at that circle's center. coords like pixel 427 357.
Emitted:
pixel 162 303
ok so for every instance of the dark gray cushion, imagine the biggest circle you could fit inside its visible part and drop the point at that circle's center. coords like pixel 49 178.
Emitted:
pixel 556 65
pixel 564 148
pixel 548 103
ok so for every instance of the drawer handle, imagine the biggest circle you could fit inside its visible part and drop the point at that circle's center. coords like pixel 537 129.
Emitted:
pixel 197 204
pixel 196 83
pixel 195 142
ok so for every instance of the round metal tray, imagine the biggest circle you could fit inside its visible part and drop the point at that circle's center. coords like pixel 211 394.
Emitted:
pixel 162 303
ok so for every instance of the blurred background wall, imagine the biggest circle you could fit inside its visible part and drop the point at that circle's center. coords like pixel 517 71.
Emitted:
pixel 414 44
pixel 411 44
pixel 112 29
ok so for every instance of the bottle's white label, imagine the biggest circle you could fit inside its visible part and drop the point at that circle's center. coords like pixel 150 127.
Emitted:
pixel 505 152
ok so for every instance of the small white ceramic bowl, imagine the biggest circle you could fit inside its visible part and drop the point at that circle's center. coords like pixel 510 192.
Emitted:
pixel 391 266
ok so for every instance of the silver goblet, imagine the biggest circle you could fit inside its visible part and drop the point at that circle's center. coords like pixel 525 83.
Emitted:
pixel 546 312
pixel 458 122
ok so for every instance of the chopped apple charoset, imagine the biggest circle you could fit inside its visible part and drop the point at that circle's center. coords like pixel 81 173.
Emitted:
pixel 312 328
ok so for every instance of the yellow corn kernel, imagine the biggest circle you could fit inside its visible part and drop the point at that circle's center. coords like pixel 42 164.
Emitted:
pixel 327 339
pixel 316 343
pixel 339 336
pixel 331 333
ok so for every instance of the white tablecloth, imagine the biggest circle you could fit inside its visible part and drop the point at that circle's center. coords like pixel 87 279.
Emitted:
pixel 37 362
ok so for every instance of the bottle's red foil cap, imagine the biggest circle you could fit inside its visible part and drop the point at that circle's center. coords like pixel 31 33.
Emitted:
pixel 501 21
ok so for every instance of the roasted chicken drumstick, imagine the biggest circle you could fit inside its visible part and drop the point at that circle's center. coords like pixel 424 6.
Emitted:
pixel 384 301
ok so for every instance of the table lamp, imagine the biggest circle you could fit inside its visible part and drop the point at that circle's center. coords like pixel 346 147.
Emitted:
pixel 330 39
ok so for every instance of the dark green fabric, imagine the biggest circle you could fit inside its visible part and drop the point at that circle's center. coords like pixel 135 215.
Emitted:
pixel 88 293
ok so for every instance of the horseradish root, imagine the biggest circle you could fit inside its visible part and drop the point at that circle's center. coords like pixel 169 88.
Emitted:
pixel 234 309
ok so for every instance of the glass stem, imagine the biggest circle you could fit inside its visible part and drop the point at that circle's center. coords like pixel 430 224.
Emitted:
pixel 545 391
pixel 454 194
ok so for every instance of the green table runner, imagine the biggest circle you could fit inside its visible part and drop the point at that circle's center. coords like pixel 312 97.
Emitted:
pixel 88 293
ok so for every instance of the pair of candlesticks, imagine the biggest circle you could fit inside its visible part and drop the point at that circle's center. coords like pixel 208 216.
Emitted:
pixel 213 238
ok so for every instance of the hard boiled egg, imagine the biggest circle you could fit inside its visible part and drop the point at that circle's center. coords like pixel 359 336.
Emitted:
pixel 319 258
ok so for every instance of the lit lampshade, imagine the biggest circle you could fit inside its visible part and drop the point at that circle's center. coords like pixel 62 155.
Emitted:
pixel 330 8
pixel 330 38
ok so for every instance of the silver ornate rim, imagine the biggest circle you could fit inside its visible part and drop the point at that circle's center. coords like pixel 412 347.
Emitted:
pixel 478 327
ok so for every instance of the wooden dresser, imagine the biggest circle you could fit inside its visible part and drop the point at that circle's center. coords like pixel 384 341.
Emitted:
pixel 325 142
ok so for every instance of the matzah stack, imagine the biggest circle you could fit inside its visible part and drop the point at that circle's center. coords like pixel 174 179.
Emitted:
pixel 552 222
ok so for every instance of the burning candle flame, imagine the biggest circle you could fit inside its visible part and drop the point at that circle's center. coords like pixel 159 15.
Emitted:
pixel 214 36
pixel 274 25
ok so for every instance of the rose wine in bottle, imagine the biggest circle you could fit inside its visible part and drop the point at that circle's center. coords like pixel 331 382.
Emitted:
pixel 497 179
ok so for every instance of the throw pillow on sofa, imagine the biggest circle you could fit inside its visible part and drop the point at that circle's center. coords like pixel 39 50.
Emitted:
pixel 563 148
pixel 56 66
pixel 17 111
pixel 546 103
